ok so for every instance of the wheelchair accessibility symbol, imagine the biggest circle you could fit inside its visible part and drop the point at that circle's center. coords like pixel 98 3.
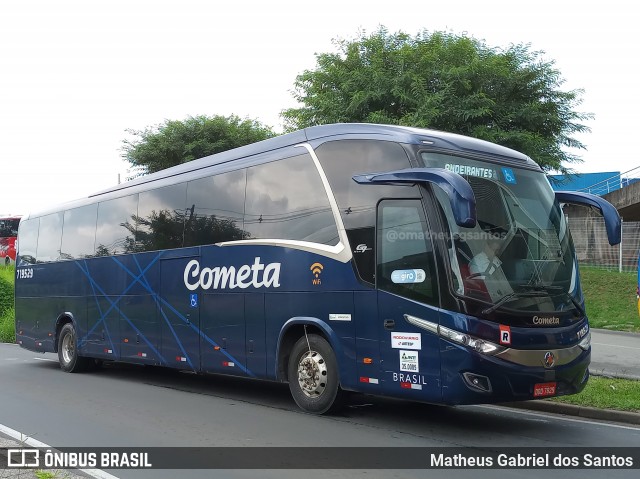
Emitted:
pixel 193 300
pixel 509 176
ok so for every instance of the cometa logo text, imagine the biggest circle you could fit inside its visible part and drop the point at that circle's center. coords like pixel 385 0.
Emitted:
pixel 257 275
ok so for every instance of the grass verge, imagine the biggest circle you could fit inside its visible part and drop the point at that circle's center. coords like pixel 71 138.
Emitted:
pixel 7 313
pixel 610 299
pixel 607 393
pixel 8 326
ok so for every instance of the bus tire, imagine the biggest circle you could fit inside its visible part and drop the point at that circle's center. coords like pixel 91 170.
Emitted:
pixel 313 375
pixel 70 362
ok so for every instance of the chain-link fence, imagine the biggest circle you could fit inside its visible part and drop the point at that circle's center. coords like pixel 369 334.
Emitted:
pixel 593 249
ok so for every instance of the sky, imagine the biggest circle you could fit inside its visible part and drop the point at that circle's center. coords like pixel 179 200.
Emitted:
pixel 76 75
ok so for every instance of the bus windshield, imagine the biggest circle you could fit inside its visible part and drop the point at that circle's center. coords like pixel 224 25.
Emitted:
pixel 519 256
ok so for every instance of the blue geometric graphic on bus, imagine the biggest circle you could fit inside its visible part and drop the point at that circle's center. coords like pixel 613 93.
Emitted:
pixel 162 306
pixel 509 176
pixel 104 314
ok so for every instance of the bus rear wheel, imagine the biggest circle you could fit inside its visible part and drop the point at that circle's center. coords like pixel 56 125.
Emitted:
pixel 313 375
pixel 70 362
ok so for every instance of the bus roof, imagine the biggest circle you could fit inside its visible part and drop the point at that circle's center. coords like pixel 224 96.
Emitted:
pixel 402 134
pixel 317 135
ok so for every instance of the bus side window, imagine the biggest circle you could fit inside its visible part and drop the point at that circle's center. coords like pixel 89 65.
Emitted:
pixel 340 160
pixel 79 233
pixel 215 208
pixel 405 252
pixel 28 241
pixel 287 200
pixel 116 229
pixel 50 238
pixel 161 215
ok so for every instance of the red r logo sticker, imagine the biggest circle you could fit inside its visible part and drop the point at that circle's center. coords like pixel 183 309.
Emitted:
pixel 505 334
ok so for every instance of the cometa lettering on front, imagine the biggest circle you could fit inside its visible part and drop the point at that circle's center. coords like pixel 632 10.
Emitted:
pixel 257 275
pixel 550 320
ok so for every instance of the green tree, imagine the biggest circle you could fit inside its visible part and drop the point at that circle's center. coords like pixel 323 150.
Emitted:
pixel 175 142
pixel 447 82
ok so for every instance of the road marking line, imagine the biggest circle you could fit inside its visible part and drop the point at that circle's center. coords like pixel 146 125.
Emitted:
pixel 25 440
pixel 616 346
pixel 47 359
pixel 557 416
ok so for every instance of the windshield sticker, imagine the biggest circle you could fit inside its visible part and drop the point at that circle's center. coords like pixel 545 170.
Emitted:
pixel 401 276
pixel 509 176
pixel 406 340
pixel 472 171
pixel 409 361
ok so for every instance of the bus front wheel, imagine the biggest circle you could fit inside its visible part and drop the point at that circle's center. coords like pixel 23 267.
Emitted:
pixel 313 375
pixel 70 362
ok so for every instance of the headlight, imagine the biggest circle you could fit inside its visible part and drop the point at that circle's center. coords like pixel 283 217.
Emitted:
pixel 454 335
pixel 481 346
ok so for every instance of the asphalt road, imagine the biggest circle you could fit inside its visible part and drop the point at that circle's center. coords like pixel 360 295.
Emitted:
pixel 125 406
pixel 615 353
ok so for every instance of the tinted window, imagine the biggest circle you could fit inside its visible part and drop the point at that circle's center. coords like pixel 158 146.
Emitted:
pixel 343 159
pixel 79 232
pixel 49 238
pixel 215 207
pixel 405 253
pixel 286 200
pixel 116 228
pixel 28 241
pixel 9 227
pixel 161 215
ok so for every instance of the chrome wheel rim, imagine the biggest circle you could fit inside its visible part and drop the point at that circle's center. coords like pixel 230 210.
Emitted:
pixel 68 348
pixel 312 374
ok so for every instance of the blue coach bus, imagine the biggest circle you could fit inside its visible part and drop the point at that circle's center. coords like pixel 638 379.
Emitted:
pixel 384 260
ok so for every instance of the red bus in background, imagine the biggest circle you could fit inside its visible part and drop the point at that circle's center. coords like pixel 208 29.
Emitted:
pixel 8 234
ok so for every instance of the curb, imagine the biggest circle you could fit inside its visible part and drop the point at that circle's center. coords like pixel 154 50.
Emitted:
pixel 613 374
pixel 579 411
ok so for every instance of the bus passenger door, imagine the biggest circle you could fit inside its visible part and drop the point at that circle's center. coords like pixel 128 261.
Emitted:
pixel 406 284
pixel 179 313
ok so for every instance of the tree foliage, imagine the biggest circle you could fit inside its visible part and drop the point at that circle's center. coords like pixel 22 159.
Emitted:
pixel 175 142
pixel 447 82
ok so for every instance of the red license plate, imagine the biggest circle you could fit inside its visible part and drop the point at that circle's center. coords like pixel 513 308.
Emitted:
pixel 541 390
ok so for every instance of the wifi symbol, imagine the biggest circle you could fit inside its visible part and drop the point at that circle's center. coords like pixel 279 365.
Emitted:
pixel 316 269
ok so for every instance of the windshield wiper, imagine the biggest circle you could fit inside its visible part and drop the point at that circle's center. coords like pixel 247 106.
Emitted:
pixel 539 287
pixel 552 289
pixel 512 296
